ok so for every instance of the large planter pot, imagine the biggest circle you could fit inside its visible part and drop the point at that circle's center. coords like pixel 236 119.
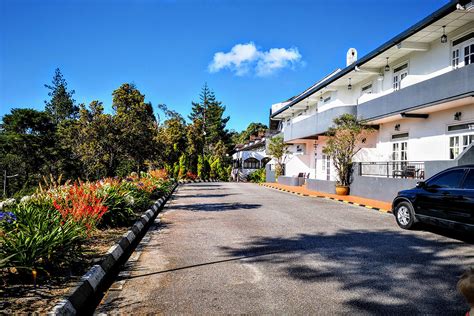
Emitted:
pixel 342 190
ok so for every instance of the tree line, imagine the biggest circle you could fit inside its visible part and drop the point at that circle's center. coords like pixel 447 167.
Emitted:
pixel 83 141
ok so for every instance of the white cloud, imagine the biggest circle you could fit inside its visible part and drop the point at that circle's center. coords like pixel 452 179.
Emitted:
pixel 277 58
pixel 247 58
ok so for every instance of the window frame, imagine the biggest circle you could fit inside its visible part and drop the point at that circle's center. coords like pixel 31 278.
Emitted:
pixel 366 87
pixel 459 44
pixel 455 56
pixel 460 136
pixel 252 164
pixel 399 73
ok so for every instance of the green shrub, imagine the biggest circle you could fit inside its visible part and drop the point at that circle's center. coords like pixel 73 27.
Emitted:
pixel 120 202
pixel 182 166
pixel 125 167
pixel 257 176
pixel 141 198
pixel 176 170
pixel 37 237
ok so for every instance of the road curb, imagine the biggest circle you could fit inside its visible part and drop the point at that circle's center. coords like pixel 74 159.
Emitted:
pixel 85 297
pixel 329 198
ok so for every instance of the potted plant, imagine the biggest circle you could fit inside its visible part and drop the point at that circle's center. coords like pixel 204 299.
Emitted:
pixel 341 146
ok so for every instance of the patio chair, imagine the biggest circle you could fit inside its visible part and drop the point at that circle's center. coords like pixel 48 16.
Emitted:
pixel 409 172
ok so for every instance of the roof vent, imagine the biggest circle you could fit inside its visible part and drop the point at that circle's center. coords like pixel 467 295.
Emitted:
pixel 351 56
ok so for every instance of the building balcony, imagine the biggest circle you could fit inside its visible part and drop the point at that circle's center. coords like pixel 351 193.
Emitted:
pixel 450 86
pixel 315 124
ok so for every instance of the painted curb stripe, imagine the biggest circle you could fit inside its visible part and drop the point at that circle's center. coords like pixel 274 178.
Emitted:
pixel 139 225
pixel 94 276
pixel 64 307
pixel 329 198
pixel 130 236
pixel 116 251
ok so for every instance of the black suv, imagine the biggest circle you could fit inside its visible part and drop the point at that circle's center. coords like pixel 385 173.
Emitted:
pixel 447 198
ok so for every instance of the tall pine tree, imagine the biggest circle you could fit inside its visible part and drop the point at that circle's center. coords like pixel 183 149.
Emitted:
pixel 209 113
pixel 62 105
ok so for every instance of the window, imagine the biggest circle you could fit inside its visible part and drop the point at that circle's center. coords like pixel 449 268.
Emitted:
pixel 235 163
pixel 400 151
pixel 367 89
pixel 461 127
pixel 327 166
pixel 449 179
pixel 399 74
pixel 457 144
pixel 251 163
pixel 400 136
pixel 468 54
pixel 469 181
pixel 463 51
pixel 455 60
pixel 453 147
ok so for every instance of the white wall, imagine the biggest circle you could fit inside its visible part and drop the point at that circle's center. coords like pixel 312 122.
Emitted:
pixel 428 138
pixel 297 163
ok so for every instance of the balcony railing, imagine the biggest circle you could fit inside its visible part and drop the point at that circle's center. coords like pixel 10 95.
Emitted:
pixel 393 169
pixel 317 123
pixel 453 84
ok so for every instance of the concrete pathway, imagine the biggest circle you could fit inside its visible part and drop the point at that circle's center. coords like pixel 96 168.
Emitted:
pixel 236 248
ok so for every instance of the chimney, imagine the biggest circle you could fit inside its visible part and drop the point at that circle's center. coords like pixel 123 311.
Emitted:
pixel 351 56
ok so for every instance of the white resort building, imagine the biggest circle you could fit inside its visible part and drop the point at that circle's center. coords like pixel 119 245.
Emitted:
pixel 416 90
pixel 249 157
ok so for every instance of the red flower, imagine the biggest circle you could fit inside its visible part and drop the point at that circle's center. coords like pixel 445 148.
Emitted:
pixel 81 204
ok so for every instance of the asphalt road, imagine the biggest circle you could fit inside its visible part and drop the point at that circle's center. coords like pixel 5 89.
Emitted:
pixel 236 248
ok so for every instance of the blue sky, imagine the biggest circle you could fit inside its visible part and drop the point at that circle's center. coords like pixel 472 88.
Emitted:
pixel 267 51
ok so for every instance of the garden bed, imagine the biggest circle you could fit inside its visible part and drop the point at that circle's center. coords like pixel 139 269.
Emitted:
pixel 53 237
pixel 24 298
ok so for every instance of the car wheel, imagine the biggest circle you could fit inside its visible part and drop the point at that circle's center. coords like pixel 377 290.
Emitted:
pixel 404 215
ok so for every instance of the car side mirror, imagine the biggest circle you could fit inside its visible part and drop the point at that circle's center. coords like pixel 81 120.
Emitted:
pixel 421 184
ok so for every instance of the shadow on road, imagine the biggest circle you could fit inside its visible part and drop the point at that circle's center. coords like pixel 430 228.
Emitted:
pixel 203 264
pixel 414 274
pixel 201 185
pixel 216 207
pixel 198 196
pixel 447 232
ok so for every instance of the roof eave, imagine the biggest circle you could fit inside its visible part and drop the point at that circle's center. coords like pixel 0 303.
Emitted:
pixel 433 17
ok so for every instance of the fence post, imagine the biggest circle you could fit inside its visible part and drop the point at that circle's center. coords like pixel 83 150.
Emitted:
pixel 388 176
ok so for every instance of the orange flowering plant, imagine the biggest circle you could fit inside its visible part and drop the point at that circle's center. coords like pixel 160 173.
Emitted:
pixel 81 203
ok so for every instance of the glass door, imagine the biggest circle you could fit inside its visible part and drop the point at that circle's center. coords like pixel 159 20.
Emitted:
pixel 399 74
pixel 399 158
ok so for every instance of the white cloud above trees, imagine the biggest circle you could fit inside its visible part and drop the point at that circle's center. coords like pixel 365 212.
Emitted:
pixel 247 59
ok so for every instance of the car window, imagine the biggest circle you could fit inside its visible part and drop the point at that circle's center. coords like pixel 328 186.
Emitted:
pixel 469 181
pixel 450 179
